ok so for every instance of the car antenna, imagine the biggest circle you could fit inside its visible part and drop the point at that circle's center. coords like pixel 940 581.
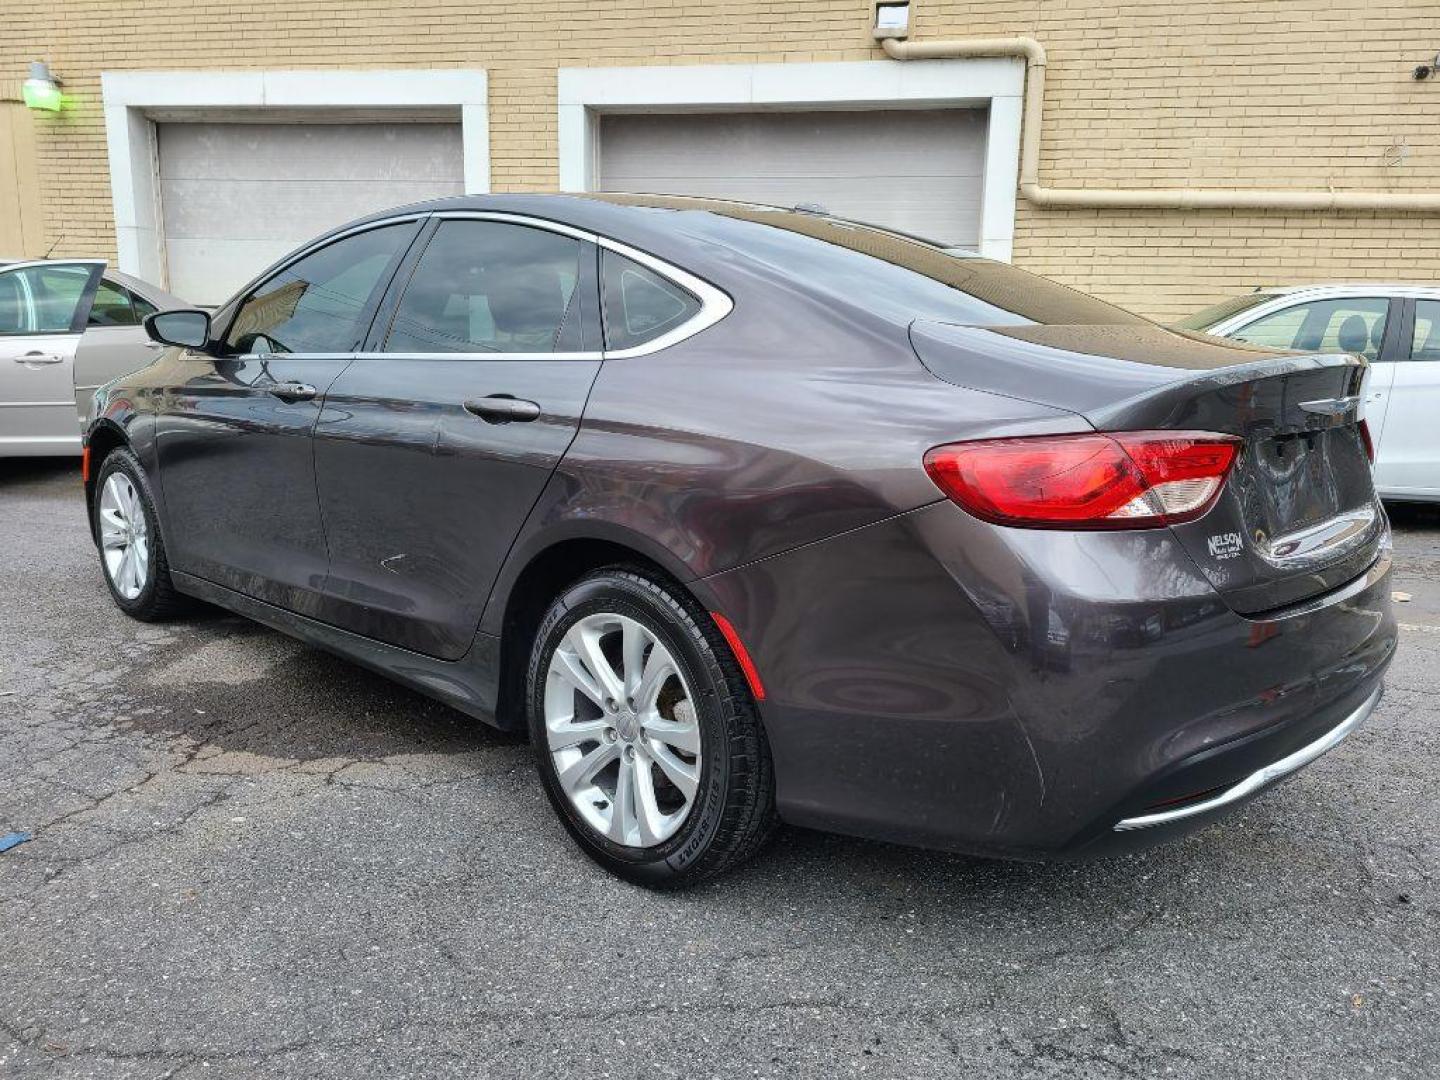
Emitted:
pixel 53 246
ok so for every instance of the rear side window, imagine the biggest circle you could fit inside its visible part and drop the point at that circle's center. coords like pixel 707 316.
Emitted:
pixel 1426 343
pixel 1349 324
pixel 114 306
pixel 488 286
pixel 317 304
pixel 639 304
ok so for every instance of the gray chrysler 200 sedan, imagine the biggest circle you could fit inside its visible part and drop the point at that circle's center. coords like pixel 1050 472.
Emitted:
pixel 753 515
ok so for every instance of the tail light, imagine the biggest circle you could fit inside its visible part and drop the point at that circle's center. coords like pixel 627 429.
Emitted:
pixel 1121 480
pixel 1367 440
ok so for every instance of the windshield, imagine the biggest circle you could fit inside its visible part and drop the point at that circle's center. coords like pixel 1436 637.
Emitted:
pixel 1217 313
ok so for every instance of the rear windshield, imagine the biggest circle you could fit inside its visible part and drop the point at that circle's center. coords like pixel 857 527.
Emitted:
pixel 1215 313
pixel 895 275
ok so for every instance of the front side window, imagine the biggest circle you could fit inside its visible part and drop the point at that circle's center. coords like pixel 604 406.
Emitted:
pixel 489 287
pixel 639 304
pixel 317 304
pixel 1351 324
pixel 1426 343
pixel 41 299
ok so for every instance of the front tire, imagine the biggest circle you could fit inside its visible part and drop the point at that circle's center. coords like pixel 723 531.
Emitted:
pixel 647 740
pixel 132 555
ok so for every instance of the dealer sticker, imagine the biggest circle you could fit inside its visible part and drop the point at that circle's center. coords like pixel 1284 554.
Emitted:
pixel 1225 545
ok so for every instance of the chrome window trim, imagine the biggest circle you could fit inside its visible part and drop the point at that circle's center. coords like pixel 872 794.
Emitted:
pixel 715 304
pixel 471 356
pixel 1261 777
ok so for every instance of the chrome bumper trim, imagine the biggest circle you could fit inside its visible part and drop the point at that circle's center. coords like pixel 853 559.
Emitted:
pixel 1257 780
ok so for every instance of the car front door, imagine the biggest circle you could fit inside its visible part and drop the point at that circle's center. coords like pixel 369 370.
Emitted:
pixel 435 444
pixel 1407 452
pixel 234 430
pixel 43 308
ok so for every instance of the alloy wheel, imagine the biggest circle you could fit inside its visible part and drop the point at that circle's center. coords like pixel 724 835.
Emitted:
pixel 124 536
pixel 622 730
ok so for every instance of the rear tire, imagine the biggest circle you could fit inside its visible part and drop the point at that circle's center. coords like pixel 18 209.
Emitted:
pixel 132 555
pixel 682 786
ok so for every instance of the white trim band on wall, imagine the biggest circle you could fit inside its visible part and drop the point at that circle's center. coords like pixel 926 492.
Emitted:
pixel 130 97
pixel 996 83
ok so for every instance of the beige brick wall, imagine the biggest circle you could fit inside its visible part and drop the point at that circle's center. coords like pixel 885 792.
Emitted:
pixel 1217 93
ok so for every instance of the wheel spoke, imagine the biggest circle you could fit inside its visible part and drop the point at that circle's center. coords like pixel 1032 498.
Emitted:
pixel 657 670
pixel 580 772
pixel 622 807
pixel 681 736
pixel 127 501
pixel 634 638
pixel 648 817
pixel 684 776
pixel 571 669
pixel 586 643
pixel 564 736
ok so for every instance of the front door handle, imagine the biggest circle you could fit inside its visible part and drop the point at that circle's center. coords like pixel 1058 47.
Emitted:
pixel 38 358
pixel 293 391
pixel 503 409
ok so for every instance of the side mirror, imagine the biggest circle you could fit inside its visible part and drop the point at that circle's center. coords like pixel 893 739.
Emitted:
pixel 189 328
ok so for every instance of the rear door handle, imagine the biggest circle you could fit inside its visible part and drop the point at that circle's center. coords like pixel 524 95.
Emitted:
pixel 39 358
pixel 293 391
pixel 503 409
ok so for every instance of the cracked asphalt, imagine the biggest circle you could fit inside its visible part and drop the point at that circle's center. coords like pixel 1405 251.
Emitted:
pixel 254 860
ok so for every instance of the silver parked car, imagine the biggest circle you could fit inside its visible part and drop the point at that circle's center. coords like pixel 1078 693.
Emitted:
pixel 67 326
pixel 1396 328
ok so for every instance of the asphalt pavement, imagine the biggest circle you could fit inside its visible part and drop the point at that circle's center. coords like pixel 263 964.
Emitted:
pixel 251 859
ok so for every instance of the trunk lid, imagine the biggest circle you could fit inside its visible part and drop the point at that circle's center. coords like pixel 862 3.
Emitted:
pixel 1298 515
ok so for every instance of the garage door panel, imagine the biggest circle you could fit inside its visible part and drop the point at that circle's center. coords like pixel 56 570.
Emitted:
pixel 939 142
pixel 280 209
pixel 224 151
pixel 220 266
pixel 234 197
pixel 921 171
pixel 926 206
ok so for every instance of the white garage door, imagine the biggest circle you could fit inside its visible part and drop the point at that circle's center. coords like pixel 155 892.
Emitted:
pixel 234 197
pixel 919 171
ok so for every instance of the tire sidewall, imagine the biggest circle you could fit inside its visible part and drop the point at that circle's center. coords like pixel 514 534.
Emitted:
pixel 616 592
pixel 123 461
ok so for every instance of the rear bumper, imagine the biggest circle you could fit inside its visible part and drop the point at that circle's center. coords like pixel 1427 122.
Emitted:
pixel 1212 801
pixel 936 681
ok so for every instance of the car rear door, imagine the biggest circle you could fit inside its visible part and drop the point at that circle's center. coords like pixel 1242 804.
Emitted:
pixel 1407 451
pixel 433 447
pixel 233 431
pixel 43 308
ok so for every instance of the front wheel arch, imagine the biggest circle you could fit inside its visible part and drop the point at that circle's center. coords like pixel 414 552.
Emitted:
pixel 104 439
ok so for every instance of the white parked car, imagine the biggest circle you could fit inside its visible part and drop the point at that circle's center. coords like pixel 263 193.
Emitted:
pixel 67 326
pixel 1396 328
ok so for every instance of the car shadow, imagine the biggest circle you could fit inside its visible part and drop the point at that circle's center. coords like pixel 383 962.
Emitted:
pixel 1413 515
pixel 20 473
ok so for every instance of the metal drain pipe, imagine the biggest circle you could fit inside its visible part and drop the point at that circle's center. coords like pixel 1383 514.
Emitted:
pixel 1033 53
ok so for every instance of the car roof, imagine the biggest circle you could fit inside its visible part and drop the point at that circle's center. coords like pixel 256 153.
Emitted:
pixel 1368 288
